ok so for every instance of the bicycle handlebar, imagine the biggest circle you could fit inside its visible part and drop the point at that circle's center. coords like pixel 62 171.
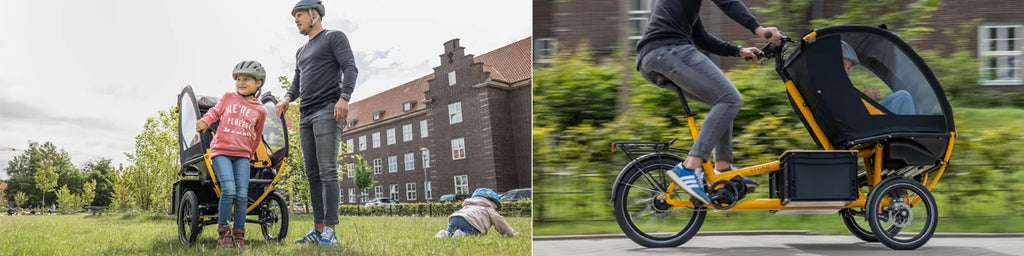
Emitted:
pixel 770 50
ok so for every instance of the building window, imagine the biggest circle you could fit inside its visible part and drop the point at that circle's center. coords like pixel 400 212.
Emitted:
pixel 349 146
pixel 378 166
pixel 362 143
pixel 351 195
pixel 426 158
pixel 407 132
pixel 410 161
pixel 407 106
pixel 376 140
pixel 999 48
pixel 639 10
pixel 392 164
pixel 378 192
pixel 394 192
pixel 451 78
pixel 462 185
pixel 341 196
pixel 430 194
pixel 353 123
pixel 455 113
pixel 640 6
pixel 636 29
pixel 410 191
pixel 391 136
pixel 377 115
pixel 423 129
pixel 350 168
pixel 544 49
pixel 459 149
pixel 365 196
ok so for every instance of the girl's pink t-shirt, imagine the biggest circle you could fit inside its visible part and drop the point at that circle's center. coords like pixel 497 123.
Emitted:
pixel 241 126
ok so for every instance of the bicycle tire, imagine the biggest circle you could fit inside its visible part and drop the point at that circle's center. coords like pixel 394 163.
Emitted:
pixel 652 169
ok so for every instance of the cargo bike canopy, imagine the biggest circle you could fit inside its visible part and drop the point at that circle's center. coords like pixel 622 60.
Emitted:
pixel 192 145
pixel 909 112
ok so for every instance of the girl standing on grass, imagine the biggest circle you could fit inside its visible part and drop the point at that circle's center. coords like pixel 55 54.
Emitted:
pixel 235 142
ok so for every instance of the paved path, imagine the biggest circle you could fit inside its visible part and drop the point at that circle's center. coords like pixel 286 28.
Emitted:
pixel 779 243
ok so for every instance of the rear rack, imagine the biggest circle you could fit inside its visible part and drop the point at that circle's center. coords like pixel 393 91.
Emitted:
pixel 636 149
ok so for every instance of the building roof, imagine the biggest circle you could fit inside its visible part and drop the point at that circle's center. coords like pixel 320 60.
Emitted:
pixel 511 63
pixel 390 101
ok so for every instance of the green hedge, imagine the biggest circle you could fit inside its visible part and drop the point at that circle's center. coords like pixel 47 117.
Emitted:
pixel 508 209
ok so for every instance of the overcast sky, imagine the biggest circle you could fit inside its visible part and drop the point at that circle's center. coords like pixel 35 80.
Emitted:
pixel 85 75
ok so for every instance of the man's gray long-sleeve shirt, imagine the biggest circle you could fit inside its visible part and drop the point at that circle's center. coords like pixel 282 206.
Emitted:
pixel 325 71
pixel 675 22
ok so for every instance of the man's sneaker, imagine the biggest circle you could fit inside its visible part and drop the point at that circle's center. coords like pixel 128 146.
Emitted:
pixel 459 233
pixel 328 237
pixel 442 234
pixel 311 237
pixel 688 181
pixel 751 184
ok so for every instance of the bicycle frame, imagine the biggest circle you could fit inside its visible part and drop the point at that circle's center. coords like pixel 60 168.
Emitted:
pixel 871 153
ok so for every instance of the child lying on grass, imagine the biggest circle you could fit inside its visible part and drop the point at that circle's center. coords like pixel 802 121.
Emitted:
pixel 477 215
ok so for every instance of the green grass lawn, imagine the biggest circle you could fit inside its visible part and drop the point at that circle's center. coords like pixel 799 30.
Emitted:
pixel 150 235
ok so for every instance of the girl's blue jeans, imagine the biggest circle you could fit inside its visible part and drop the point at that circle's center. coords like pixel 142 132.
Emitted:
pixel 233 176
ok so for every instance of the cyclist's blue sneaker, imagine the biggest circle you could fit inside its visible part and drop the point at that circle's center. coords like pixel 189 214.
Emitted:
pixel 311 237
pixel 328 237
pixel 687 179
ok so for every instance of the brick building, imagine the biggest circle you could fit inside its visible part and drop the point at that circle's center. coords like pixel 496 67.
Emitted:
pixel 463 126
pixel 608 26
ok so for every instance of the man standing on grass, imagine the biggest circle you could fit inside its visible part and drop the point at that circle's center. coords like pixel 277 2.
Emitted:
pixel 325 75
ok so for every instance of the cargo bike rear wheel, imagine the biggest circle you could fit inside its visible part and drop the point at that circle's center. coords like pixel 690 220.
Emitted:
pixel 640 207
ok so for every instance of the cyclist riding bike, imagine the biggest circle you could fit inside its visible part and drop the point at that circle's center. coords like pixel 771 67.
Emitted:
pixel 669 49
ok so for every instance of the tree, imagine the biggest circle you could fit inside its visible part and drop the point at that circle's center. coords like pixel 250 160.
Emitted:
pixel 121 195
pixel 148 181
pixel 293 178
pixel 23 167
pixel 46 180
pixel 88 193
pixel 19 199
pixel 575 91
pixel 364 176
pixel 100 171
pixel 67 201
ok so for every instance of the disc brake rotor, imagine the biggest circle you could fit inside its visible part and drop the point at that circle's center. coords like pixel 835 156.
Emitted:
pixel 901 214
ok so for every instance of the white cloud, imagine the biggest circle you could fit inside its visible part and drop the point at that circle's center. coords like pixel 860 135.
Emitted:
pixel 91 72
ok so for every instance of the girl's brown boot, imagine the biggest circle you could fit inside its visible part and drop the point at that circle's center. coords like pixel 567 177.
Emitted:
pixel 224 236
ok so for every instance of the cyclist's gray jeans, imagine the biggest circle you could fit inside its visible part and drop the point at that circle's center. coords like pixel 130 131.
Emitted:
pixel 318 135
pixel 702 80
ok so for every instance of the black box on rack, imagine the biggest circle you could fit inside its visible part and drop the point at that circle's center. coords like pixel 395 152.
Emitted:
pixel 815 178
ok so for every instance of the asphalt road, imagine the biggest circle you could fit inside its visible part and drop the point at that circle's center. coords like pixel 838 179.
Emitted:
pixel 779 243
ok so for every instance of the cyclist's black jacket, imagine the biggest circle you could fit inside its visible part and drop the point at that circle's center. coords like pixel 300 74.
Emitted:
pixel 675 22
pixel 325 70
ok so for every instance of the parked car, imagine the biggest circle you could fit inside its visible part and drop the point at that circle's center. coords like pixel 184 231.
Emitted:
pixel 380 201
pixel 517 194
pixel 453 198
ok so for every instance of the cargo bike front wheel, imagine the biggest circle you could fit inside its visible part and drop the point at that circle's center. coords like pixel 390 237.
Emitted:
pixel 640 207
pixel 903 205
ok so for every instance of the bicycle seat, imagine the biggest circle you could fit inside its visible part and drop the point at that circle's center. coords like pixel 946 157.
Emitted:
pixel 660 80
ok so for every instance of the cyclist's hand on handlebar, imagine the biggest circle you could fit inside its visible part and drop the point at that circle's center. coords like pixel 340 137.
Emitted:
pixel 750 54
pixel 775 36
